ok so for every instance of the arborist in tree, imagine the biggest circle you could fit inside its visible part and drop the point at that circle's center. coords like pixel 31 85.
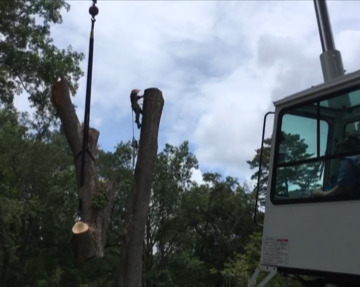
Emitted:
pixel 134 97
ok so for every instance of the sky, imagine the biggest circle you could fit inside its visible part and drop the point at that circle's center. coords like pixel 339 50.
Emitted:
pixel 219 64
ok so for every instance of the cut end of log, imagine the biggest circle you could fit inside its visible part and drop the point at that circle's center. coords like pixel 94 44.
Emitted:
pixel 80 227
pixel 82 242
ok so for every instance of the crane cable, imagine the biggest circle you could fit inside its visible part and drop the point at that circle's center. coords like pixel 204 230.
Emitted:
pixel 93 11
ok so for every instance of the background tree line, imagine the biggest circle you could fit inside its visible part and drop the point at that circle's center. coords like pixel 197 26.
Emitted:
pixel 192 230
pixel 196 234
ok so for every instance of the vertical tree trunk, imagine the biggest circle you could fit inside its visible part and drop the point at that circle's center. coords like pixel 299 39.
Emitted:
pixel 138 200
pixel 97 197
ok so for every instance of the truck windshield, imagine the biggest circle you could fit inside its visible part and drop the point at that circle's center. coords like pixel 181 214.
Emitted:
pixel 307 146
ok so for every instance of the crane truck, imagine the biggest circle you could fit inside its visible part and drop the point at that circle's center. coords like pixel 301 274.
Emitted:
pixel 304 234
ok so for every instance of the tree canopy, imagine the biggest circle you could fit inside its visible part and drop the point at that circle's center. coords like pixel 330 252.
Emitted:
pixel 199 234
pixel 30 62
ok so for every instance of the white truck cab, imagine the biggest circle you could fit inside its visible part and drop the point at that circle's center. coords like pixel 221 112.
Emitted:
pixel 303 233
pixel 307 231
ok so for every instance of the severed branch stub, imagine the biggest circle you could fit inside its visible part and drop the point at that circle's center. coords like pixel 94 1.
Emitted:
pixel 87 242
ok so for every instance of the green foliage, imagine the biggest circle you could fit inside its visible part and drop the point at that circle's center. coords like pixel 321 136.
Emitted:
pixel 305 176
pixel 239 270
pixel 38 200
pixel 219 219
pixel 99 200
pixel 29 61
pixel 38 192
pixel 115 168
pixel 193 230
pixel 265 165
pixel 199 235
pixel 165 226
pixel 293 147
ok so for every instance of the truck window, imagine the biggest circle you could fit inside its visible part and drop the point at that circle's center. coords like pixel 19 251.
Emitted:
pixel 299 172
pixel 307 153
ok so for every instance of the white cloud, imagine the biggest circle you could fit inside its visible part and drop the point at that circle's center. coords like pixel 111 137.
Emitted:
pixel 219 64
pixel 197 176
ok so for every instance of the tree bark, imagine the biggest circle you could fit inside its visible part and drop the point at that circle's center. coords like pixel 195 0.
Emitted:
pixel 139 197
pixel 96 197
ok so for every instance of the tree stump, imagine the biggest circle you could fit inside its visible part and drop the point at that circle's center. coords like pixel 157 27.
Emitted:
pixel 139 198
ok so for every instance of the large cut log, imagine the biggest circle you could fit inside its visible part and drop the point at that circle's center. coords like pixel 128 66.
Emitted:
pixel 95 197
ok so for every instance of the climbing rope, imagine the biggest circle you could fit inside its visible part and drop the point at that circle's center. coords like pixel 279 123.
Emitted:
pixel 132 120
pixel 134 142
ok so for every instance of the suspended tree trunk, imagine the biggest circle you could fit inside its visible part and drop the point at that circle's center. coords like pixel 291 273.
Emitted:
pixel 138 200
pixel 96 197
